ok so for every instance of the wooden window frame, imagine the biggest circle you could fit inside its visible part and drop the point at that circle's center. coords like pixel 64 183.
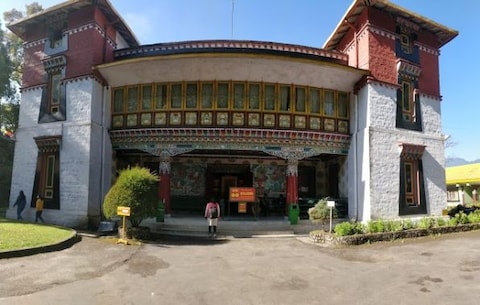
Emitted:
pixel 296 99
pixel 264 97
pixel 284 105
pixel 47 174
pixel 187 96
pixel 412 197
pixel 155 103
pixel 54 91
pixel 408 103
pixel 216 95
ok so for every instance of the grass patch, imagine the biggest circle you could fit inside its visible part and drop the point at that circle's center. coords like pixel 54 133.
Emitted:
pixel 17 235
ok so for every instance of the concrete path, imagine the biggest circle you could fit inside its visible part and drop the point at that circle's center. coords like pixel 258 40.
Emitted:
pixel 174 270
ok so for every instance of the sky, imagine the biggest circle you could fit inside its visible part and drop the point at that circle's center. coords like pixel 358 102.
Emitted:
pixel 310 23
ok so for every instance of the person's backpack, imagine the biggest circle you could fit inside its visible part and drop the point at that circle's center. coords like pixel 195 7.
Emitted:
pixel 213 211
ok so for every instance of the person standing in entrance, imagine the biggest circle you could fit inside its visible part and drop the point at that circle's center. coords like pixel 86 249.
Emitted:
pixel 39 209
pixel 21 202
pixel 212 213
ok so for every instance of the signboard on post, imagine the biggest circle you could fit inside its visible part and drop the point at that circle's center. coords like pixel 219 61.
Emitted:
pixel 331 205
pixel 123 211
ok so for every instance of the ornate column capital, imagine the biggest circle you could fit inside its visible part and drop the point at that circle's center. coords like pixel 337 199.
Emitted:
pixel 293 153
pixel 292 167
pixel 164 151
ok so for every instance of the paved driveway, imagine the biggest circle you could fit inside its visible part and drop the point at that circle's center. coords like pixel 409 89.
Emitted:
pixel 441 270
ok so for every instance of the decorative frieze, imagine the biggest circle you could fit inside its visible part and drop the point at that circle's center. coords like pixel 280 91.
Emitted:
pixel 222 45
pixel 53 64
pixel 408 69
pixel 231 137
pixel 73 31
pixel 48 144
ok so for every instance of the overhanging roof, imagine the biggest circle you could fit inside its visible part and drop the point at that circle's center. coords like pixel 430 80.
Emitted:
pixel 463 174
pixel 231 60
pixel 19 27
pixel 443 33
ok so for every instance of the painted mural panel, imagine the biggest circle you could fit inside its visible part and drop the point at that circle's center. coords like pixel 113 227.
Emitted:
pixel 269 180
pixel 187 179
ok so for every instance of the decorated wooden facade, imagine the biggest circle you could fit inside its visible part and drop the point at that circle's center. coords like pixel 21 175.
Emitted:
pixel 357 120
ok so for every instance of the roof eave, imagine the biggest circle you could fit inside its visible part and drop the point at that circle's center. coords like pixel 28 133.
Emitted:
pixel 19 27
pixel 443 33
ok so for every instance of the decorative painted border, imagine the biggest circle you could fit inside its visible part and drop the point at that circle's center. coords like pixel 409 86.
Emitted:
pixel 226 45
pixel 337 143
pixel 76 30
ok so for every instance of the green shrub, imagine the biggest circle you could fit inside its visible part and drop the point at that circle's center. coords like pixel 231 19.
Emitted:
pixel 320 213
pixel 136 188
pixel 427 223
pixel 408 224
pixel 459 218
pixel 441 222
pixel 376 226
pixel 474 217
pixel 344 229
pixel 349 228
pixel 393 225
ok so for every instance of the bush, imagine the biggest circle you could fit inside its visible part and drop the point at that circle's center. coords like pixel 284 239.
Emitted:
pixel 474 217
pixel 393 226
pixel 320 213
pixel 427 223
pixel 376 226
pixel 135 188
pixel 459 218
pixel 408 224
pixel 441 222
pixel 349 228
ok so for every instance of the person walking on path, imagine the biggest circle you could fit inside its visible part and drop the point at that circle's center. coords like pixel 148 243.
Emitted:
pixel 39 209
pixel 20 203
pixel 212 213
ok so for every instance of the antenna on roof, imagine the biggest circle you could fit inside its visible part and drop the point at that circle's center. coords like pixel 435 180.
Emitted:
pixel 233 9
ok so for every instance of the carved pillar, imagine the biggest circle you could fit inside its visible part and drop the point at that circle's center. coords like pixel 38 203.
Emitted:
pixel 164 184
pixel 292 155
pixel 292 181
pixel 165 152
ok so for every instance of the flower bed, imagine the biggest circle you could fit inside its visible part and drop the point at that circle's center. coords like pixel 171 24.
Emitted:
pixel 330 239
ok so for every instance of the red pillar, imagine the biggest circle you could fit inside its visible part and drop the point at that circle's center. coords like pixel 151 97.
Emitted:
pixel 164 184
pixel 292 182
pixel 292 189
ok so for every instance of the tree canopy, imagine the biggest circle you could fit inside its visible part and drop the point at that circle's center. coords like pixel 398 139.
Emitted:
pixel 11 60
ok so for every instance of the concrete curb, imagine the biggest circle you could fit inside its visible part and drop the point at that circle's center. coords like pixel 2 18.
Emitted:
pixel 64 244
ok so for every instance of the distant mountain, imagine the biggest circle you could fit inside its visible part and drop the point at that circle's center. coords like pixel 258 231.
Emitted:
pixel 459 161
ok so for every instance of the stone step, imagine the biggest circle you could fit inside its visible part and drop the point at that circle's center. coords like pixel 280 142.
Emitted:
pixel 198 227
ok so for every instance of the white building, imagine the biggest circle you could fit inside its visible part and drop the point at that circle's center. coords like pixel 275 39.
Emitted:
pixel 358 120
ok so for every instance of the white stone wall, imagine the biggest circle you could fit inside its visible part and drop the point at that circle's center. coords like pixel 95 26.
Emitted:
pixel 25 157
pixel 385 152
pixel 82 152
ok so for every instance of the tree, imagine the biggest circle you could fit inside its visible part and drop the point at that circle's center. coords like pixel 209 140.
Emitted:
pixel 136 188
pixel 13 43
pixel 11 59
pixel 6 67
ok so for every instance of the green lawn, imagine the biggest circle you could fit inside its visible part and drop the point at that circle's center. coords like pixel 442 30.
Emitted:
pixel 16 235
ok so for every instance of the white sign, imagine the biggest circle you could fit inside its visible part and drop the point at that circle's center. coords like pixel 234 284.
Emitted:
pixel 330 203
